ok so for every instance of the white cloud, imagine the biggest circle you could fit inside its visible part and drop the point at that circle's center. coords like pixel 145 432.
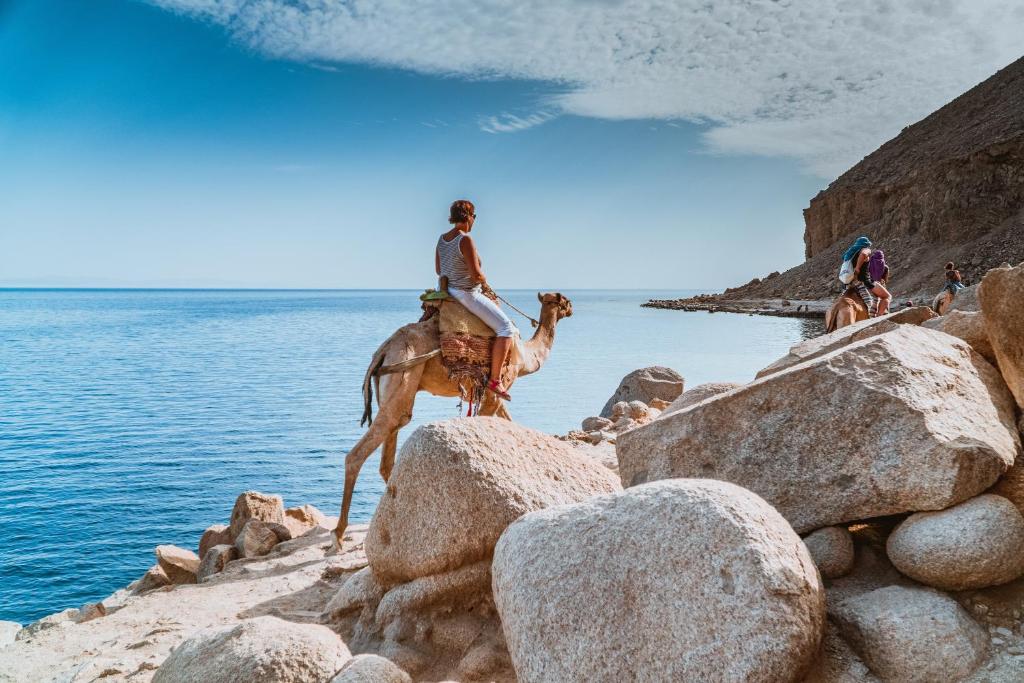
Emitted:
pixel 824 81
pixel 510 123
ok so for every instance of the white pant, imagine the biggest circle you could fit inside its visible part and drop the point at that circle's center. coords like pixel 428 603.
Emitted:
pixel 485 309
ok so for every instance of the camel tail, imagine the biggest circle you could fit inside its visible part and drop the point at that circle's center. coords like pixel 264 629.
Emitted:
pixel 371 374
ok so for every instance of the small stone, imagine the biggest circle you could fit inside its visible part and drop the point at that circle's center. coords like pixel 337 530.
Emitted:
pixel 638 410
pixel 596 424
pixel 215 560
pixel 155 577
pixel 998 641
pixel 1004 631
pixel 255 505
pixel 619 411
pixel 370 669
pixel 179 564
pixel 831 549
pixel 255 539
pixel 299 520
pixel 217 534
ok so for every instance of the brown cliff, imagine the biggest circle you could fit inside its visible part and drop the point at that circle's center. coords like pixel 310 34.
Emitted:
pixel 948 188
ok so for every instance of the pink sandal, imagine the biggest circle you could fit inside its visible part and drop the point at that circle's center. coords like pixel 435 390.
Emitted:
pixel 493 386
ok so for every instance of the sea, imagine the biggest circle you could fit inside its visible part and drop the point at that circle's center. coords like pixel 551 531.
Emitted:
pixel 133 418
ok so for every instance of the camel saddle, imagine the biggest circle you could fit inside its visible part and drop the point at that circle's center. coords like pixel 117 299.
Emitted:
pixel 466 340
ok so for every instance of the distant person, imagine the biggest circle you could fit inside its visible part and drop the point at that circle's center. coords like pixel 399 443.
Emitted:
pixel 457 261
pixel 878 268
pixel 855 272
pixel 954 282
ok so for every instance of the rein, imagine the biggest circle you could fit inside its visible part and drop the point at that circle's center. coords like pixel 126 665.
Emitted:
pixel 533 321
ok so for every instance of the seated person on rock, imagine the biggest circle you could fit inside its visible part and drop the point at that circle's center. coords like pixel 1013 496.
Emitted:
pixel 456 259
pixel 954 282
pixel 860 253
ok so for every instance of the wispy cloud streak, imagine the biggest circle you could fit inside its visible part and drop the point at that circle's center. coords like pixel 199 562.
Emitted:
pixel 510 123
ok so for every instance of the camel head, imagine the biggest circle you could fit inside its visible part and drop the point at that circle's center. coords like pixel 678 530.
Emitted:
pixel 559 302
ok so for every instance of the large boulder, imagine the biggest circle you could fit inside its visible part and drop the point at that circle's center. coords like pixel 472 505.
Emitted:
pixel 459 483
pixel 969 326
pixel 682 580
pixel 1000 296
pixel 180 565
pixel 966 300
pixel 912 635
pixel 698 394
pixel 909 420
pixel 975 544
pixel 646 384
pixel 264 649
pixel 826 343
pixel 255 505
pixel 1011 485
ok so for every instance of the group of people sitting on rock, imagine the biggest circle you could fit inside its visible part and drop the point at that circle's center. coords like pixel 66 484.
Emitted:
pixel 865 270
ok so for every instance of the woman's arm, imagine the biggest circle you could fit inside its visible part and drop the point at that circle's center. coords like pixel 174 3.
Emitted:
pixel 472 258
pixel 862 258
pixel 437 261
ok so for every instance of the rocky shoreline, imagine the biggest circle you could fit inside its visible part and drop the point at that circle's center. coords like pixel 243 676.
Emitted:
pixel 855 513
pixel 714 303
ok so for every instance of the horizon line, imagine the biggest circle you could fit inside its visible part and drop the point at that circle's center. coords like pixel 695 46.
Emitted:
pixel 4 288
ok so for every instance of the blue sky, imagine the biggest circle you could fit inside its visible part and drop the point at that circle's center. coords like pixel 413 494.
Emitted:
pixel 182 143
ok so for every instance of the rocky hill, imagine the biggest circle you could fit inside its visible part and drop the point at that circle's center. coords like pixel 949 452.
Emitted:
pixel 948 188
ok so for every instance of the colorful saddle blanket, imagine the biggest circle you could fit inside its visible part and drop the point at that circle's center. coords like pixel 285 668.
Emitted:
pixel 466 342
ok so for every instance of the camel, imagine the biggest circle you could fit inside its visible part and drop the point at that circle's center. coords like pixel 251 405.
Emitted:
pixel 411 362
pixel 847 309
pixel 942 301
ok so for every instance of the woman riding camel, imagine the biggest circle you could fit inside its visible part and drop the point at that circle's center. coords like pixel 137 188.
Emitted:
pixel 456 259
pixel 860 255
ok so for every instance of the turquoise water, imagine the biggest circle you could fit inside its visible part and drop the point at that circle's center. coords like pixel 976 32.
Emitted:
pixel 130 418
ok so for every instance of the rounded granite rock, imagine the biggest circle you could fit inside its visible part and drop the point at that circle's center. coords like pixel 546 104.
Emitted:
pixel 975 544
pixel 681 580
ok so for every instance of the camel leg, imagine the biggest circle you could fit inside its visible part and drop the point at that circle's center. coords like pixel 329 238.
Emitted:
pixel 492 405
pixel 846 316
pixel 396 405
pixel 387 457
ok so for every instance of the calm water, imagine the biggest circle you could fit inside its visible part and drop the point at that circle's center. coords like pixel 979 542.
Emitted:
pixel 134 418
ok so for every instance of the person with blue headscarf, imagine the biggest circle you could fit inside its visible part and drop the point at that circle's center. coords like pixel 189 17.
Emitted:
pixel 859 254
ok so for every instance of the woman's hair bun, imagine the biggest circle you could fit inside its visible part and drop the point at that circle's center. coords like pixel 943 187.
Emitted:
pixel 460 211
pixel 949 265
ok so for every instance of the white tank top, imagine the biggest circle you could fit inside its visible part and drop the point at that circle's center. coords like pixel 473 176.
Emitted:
pixel 453 264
